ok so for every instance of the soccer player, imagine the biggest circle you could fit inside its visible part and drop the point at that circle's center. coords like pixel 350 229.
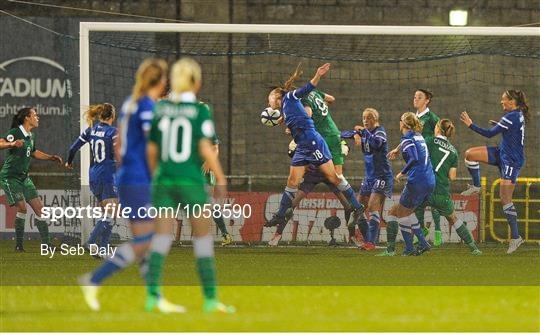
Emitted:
pixel 444 160
pixel 421 101
pixel 175 161
pixel 378 183
pixel 420 185
pixel 14 179
pixel 312 177
pixel 508 156
pixel 311 149
pixel 101 136
pixel 133 179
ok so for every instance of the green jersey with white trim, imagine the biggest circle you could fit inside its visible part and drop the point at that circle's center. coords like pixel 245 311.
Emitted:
pixel 17 161
pixel 324 123
pixel 443 157
pixel 428 121
pixel 177 128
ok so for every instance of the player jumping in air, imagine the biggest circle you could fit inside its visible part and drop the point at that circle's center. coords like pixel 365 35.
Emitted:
pixel 508 156
pixel 312 177
pixel 14 179
pixel 133 179
pixel 311 149
pixel 175 161
pixel 420 185
pixel 379 180
pixel 444 160
pixel 101 136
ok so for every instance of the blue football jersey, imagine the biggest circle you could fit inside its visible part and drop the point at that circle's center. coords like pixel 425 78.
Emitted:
pixel 513 136
pixel 101 138
pixel 296 117
pixel 375 149
pixel 135 120
pixel 421 171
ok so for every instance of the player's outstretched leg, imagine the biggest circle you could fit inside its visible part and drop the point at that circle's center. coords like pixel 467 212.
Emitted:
pixel 392 228
pixel 286 202
pixel 90 282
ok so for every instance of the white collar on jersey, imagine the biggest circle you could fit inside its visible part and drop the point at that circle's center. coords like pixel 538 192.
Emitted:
pixel 423 113
pixel 25 133
pixel 443 137
pixel 183 97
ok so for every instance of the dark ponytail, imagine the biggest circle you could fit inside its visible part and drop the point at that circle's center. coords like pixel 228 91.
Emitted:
pixel 521 102
pixel 19 117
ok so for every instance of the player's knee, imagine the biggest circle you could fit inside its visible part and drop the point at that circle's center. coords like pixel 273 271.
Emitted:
pixel 468 154
pixel 21 208
pixel 452 219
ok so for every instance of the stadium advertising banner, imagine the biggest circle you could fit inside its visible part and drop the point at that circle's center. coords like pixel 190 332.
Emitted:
pixel 306 225
pixel 39 71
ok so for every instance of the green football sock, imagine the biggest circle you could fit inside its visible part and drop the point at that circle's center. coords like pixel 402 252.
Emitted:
pixel 391 234
pixel 159 248
pixel 221 225
pixel 153 276
pixel 436 219
pixel 43 228
pixel 466 236
pixel 19 229
pixel 207 273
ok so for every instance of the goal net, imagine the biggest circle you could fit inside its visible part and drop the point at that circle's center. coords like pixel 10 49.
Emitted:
pixel 378 67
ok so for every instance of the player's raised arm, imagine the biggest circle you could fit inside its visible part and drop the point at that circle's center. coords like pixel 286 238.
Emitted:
pixel 499 127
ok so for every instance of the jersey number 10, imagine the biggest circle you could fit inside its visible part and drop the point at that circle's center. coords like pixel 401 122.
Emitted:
pixel 169 139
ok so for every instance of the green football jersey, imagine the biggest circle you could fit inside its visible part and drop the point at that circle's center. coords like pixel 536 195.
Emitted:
pixel 428 121
pixel 443 157
pixel 177 128
pixel 18 159
pixel 324 123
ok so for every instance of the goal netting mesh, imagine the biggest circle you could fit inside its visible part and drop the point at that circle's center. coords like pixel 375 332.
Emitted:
pixel 379 71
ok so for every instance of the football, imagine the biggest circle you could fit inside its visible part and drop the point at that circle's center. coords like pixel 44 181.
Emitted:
pixel 269 117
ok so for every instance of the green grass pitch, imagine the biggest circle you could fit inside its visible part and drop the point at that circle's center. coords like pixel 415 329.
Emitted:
pixel 287 289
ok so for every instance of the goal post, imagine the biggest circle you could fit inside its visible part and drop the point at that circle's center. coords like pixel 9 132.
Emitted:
pixel 86 28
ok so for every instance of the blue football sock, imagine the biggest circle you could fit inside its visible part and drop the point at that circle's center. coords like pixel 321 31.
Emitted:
pixel 96 232
pixel 419 234
pixel 106 234
pixel 374 221
pixel 123 257
pixel 286 200
pixel 407 237
pixel 348 192
pixel 511 216
pixel 474 170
